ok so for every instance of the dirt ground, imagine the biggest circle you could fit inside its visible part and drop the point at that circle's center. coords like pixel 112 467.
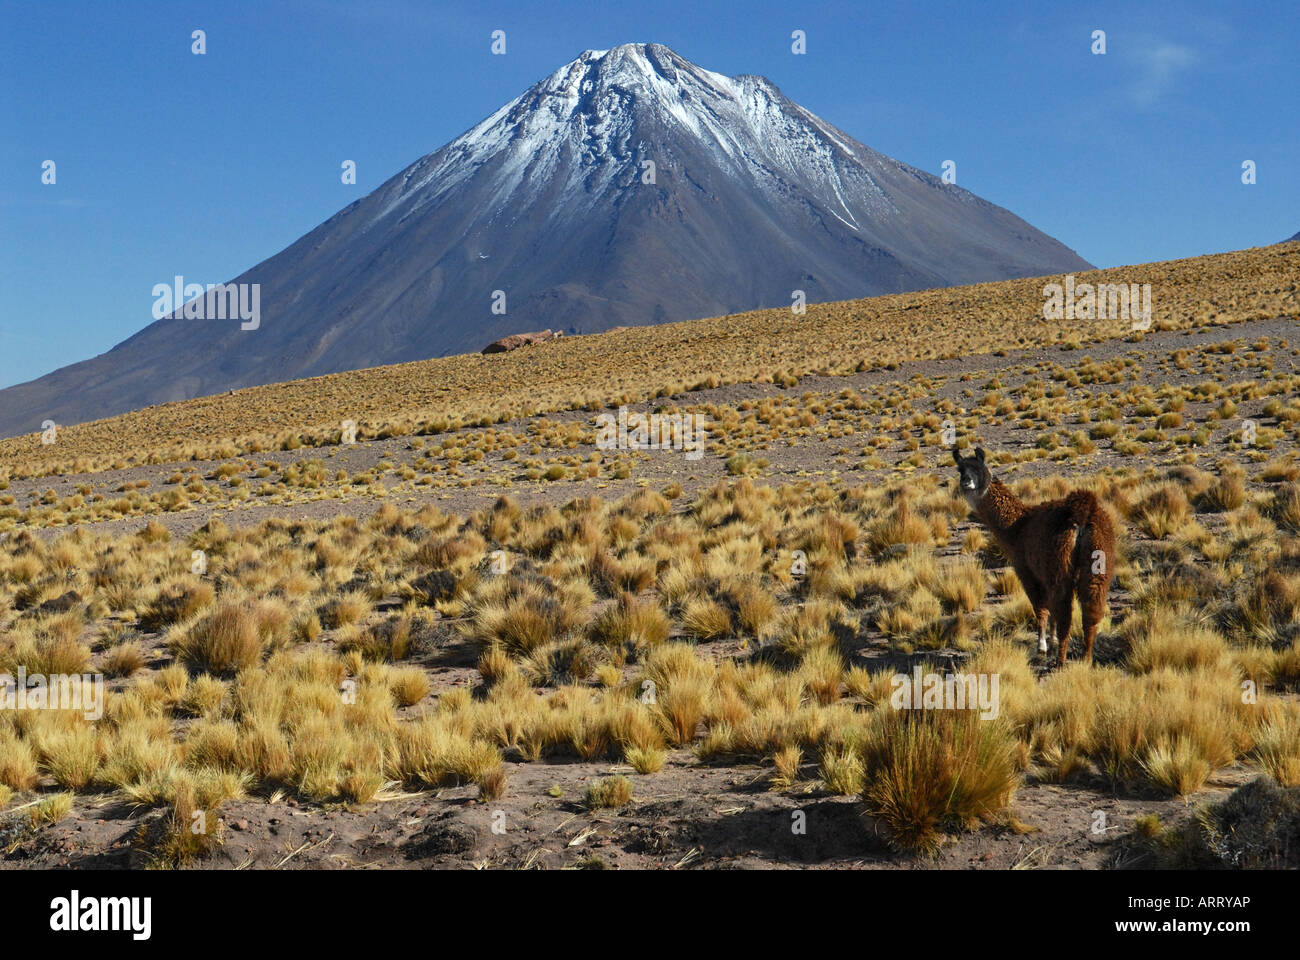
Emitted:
pixel 687 816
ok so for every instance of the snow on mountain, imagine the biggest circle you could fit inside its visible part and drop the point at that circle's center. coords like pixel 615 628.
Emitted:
pixel 589 109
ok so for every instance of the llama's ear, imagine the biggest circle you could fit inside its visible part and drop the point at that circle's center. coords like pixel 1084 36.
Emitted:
pixel 979 454
pixel 956 456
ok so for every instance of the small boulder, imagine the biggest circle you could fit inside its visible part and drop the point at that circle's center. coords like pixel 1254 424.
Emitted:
pixel 446 838
pixel 517 340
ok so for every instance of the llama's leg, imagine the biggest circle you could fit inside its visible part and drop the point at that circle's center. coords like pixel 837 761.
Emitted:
pixel 1038 601
pixel 1090 624
pixel 1092 608
pixel 1062 614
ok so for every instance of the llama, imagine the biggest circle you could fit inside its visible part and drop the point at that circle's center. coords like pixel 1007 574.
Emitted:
pixel 1060 550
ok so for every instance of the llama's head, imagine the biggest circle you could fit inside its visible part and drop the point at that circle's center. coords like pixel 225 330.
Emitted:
pixel 973 475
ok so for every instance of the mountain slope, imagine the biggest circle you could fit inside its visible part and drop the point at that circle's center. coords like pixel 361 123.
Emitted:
pixel 429 397
pixel 752 197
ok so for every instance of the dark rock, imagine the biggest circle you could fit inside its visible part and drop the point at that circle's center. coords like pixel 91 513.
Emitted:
pixel 517 340
pixel 1257 827
pixel 442 839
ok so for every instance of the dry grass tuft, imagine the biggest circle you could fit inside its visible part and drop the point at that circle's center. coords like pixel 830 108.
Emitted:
pixel 225 641
pixel 934 769
pixel 609 792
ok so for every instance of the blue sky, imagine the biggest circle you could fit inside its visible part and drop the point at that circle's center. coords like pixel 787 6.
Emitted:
pixel 169 163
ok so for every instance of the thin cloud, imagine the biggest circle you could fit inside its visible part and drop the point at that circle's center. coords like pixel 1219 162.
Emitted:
pixel 1160 65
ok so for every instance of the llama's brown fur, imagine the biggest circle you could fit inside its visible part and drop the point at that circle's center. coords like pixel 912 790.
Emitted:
pixel 1061 550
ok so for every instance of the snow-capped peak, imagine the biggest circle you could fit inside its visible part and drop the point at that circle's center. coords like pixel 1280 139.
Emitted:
pixel 591 125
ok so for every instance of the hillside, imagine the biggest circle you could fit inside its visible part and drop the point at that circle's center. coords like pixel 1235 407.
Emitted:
pixel 635 364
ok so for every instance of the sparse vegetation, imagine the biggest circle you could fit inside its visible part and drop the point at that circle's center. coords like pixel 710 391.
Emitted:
pixel 746 611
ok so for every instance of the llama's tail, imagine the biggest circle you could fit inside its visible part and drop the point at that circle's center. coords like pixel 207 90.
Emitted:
pixel 1080 518
pixel 1093 554
pixel 1083 551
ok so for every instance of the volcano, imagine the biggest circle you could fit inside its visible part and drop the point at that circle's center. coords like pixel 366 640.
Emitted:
pixel 628 187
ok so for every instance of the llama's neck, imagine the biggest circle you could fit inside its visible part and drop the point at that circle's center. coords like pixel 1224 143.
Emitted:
pixel 999 508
